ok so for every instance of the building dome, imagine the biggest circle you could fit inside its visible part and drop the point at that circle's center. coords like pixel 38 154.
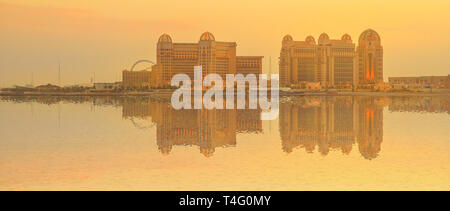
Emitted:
pixel 207 36
pixel 165 38
pixel 323 38
pixel 346 37
pixel 310 40
pixel 287 38
pixel 369 35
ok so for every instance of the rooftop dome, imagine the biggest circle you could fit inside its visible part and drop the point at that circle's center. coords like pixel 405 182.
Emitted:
pixel 207 36
pixel 287 38
pixel 310 39
pixel 323 38
pixel 165 38
pixel 369 35
pixel 346 37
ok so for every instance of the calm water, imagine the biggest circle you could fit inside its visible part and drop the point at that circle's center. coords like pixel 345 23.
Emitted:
pixel 317 143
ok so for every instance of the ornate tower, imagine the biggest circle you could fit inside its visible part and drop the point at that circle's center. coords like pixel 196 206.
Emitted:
pixel 324 52
pixel 164 54
pixel 370 58
pixel 207 53
pixel 285 61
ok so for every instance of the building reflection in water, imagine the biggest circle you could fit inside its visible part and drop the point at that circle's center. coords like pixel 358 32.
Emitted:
pixel 313 123
pixel 206 129
pixel 420 104
pixel 332 123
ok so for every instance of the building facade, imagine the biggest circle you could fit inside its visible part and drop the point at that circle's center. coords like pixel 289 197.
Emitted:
pixel 135 79
pixel 214 57
pixel 420 82
pixel 107 86
pixel 249 65
pixel 298 61
pixel 331 62
pixel 180 58
pixel 370 58
pixel 143 78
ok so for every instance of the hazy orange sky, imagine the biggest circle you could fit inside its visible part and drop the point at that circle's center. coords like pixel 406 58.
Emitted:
pixel 106 37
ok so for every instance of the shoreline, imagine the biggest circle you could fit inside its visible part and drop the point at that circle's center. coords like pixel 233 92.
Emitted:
pixel 166 93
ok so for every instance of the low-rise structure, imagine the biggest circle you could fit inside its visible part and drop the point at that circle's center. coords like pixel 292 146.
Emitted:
pixel 420 82
pixel 143 78
pixel 107 86
pixel 136 78
pixel 48 87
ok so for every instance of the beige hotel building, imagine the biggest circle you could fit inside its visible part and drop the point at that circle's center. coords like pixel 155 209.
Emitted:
pixel 214 57
pixel 175 58
pixel 331 62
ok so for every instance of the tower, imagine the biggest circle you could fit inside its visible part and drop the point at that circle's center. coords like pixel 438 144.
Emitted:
pixel 285 61
pixel 207 53
pixel 370 58
pixel 164 56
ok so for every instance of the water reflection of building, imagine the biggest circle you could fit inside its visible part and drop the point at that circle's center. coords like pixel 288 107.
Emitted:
pixel 325 123
pixel 435 104
pixel 206 129
pixel 370 127
pixel 333 123
pixel 248 121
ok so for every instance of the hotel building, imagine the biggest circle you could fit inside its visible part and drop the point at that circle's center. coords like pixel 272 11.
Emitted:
pixel 214 57
pixel 331 62
pixel 180 58
pixel 370 59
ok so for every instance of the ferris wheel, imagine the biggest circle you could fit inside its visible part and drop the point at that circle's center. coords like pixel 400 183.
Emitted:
pixel 141 61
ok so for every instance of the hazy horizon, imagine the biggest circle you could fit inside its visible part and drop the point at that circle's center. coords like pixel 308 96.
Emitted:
pixel 104 37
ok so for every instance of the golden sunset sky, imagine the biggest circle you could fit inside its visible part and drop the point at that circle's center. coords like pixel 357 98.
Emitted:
pixel 107 36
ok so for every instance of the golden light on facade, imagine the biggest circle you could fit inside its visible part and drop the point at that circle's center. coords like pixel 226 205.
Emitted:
pixel 332 62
